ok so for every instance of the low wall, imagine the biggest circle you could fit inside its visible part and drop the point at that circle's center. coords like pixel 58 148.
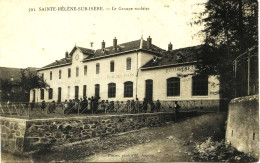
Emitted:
pixel 22 136
pixel 12 134
pixel 243 124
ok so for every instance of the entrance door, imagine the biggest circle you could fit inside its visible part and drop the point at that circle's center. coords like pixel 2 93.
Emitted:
pixel 149 89
pixel 59 94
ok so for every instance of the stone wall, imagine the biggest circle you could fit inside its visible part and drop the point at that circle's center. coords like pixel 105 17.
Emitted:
pixel 243 124
pixel 42 133
pixel 12 134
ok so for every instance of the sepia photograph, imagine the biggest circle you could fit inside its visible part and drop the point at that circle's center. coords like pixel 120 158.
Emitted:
pixel 129 81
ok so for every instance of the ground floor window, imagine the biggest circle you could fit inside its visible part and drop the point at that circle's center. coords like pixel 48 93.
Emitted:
pixel 200 85
pixel 111 90
pixel 76 92
pixel 42 94
pixel 173 86
pixel 128 89
pixel 84 90
pixel 50 93
pixel 97 88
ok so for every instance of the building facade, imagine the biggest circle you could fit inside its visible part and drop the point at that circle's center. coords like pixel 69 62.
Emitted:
pixel 136 69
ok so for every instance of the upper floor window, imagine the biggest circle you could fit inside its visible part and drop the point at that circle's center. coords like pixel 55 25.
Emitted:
pixel 128 64
pixel 112 66
pixel 173 86
pixel 85 70
pixel 77 71
pixel 97 68
pixel 111 90
pixel 51 75
pixel 42 75
pixel 128 89
pixel 59 74
pixel 200 85
pixel 69 72
pixel 50 93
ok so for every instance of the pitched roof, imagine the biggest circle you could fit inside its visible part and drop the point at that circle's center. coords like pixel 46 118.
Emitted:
pixel 125 47
pixel 175 57
pixel 63 61
pixel 121 48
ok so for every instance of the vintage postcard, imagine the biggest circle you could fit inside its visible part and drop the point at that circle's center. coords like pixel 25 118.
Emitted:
pixel 129 81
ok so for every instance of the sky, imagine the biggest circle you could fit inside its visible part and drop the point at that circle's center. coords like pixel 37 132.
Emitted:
pixel 37 38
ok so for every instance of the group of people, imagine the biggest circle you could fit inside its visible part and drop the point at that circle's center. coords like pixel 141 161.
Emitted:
pixel 95 105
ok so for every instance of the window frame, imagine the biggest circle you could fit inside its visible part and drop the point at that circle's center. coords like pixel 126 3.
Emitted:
pixel 112 66
pixel 173 87
pixel 111 92
pixel 97 68
pixel 50 75
pixel 128 63
pixel 97 93
pixel 84 90
pixel 42 94
pixel 60 72
pixel 50 93
pixel 77 71
pixel 128 89
pixel 85 70
pixel 197 90
pixel 69 72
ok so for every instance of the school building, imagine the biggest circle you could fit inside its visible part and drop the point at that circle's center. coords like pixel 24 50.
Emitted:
pixel 136 69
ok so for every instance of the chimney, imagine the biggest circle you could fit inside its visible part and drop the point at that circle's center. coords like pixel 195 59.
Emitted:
pixel 103 45
pixel 170 46
pixel 149 42
pixel 67 54
pixel 115 43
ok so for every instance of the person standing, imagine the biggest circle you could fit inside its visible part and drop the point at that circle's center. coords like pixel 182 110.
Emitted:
pixel 176 110
pixel 158 105
pixel 137 105
pixel 43 105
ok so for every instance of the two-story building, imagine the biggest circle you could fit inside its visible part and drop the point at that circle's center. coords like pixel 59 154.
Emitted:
pixel 136 69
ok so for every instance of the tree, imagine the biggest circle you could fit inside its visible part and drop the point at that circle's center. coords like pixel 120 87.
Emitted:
pixel 231 27
pixel 30 80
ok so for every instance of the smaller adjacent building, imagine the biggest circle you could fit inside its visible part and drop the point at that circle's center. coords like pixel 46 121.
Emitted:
pixel 10 89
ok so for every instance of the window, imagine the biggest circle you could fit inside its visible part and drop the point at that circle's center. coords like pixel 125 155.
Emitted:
pixel 111 90
pixel 112 66
pixel 50 93
pixel 128 89
pixel 173 86
pixel 97 88
pixel 128 64
pixel 59 74
pixel 42 94
pixel 68 95
pixel 69 72
pixel 200 85
pixel 76 92
pixel 42 75
pixel 77 71
pixel 51 75
pixel 85 70
pixel 97 68
pixel 84 90
pixel 149 89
